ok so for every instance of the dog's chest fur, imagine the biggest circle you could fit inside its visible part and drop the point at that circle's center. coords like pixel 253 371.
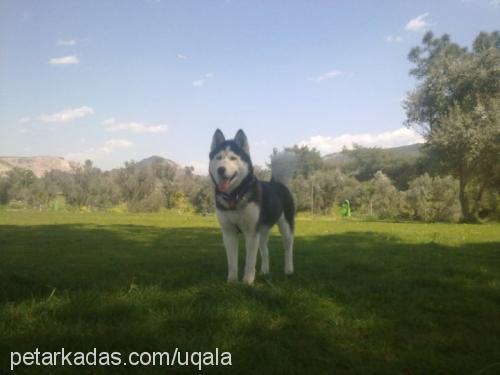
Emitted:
pixel 245 219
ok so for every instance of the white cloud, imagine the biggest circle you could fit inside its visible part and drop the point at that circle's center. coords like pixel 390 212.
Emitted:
pixel 95 153
pixel 328 75
pixel 398 137
pixel 67 115
pixel 394 39
pixel 180 56
pixel 418 23
pixel 65 60
pixel 24 120
pixel 66 42
pixel 202 81
pixel 135 127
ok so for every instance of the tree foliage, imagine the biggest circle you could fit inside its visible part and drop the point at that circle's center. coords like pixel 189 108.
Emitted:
pixel 433 198
pixel 363 163
pixel 456 107
pixel 308 160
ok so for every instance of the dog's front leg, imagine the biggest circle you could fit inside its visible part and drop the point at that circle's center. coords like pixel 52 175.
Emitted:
pixel 252 246
pixel 231 240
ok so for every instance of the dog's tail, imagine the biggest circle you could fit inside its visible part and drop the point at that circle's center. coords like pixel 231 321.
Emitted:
pixel 283 167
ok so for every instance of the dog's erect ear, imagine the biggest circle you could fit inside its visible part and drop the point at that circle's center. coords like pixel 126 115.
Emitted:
pixel 241 140
pixel 217 139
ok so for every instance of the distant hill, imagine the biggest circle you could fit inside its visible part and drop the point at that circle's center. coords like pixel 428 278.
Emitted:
pixel 158 159
pixel 39 165
pixel 410 150
pixel 414 150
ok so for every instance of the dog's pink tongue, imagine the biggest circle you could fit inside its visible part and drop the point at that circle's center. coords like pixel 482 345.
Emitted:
pixel 224 185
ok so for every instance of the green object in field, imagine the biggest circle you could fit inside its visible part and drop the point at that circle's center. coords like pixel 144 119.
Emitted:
pixel 346 208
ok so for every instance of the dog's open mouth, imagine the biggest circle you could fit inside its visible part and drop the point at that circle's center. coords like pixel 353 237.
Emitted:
pixel 224 183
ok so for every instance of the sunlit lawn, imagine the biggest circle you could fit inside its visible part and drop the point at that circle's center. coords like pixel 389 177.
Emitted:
pixel 367 297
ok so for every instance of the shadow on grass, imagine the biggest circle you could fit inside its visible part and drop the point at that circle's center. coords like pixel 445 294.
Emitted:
pixel 360 302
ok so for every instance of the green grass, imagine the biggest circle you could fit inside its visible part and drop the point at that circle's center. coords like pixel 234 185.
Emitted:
pixel 377 297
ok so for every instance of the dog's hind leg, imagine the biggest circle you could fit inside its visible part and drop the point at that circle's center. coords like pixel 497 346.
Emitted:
pixel 252 247
pixel 287 237
pixel 231 240
pixel 264 251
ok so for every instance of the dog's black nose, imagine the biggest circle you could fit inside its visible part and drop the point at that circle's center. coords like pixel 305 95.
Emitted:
pixel 221 171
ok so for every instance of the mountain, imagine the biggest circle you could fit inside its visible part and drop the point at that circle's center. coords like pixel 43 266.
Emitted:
pixel 39 165
pixel 158 159
pixel 414 150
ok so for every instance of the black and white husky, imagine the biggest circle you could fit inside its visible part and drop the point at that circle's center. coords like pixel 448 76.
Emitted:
pixel 249 206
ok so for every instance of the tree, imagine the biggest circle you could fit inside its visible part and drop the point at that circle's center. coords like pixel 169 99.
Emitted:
pixel 308 159
pixel 93 188
pixel 136 183
pixel 331 187
pixel 385 197
pixel 204 199
pixel 4 189
pixel 433 198
pixel 263 174
pixel 17 185
pixel 364 162
pixel 302 191
pixel 468 144
pixel 456 107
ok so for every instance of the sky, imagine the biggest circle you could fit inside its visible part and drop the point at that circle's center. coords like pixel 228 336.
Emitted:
pixel 122 80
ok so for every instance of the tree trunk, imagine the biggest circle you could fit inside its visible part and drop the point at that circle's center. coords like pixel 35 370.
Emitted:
pixel 477 200
pixel 464 202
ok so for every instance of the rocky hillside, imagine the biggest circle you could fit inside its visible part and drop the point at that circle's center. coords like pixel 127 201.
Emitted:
pixel 43 164
pixel 158 159
pixel 38 164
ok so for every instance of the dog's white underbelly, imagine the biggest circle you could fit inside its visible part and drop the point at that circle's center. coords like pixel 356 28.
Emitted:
pixel 245 219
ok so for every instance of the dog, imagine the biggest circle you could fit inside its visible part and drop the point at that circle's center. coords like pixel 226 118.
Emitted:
pixel 247 205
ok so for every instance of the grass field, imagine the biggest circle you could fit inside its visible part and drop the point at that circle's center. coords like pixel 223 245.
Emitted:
pixel 367 297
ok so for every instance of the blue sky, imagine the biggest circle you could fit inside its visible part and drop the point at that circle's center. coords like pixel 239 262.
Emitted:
pixel 121 80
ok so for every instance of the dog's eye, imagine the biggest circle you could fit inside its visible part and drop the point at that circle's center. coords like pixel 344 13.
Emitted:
pixel 218 157
pixel 233 158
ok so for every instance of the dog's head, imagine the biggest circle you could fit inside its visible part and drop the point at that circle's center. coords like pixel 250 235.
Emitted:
pixel 230 161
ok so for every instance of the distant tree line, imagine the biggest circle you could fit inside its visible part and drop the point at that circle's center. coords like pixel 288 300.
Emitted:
pixel 378 184
pixel 134 188
pixel 456 106
pixel 381 184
